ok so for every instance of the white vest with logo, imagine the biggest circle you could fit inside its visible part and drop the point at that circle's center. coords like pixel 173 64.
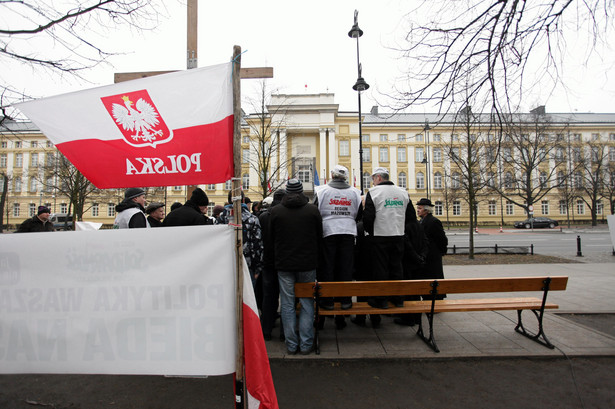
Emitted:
pixel 123 218
pixel 338 208
pixel 390 202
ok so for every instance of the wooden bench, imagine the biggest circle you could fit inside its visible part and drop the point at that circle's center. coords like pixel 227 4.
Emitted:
pixel 429 290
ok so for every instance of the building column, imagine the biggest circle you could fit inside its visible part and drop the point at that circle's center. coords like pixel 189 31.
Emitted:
pixel 323 154
pixel 284 162
pixel 332 149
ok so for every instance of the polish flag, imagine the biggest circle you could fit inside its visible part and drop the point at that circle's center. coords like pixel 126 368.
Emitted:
pixel 164 130
pixel 259 383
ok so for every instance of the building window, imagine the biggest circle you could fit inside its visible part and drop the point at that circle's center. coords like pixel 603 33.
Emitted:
pixel 95 210
pixel 580 207
pixel 344 148
pixel 542 179
pixel 15 209
pixel 367 180
pixel 544 206
pixel 33 144
pixel 228 185
pixel 384 137
pixel 33 184
pixel 456 180
pixel 245 139
pixel 599 207
pixel 455 137
pixel 510 208
pixel 419 154
pixel 490 179
pixel 384 154
pixel 577 180
pixel 401 137
pixel 177 188
pixel 437 208
pixel 245 155
pixel 211 187
pixel 18 160
pixel 34 159
pixel 3 144
pixel 418 137
pixel 456 208
pixel 436 154
pixel 437 137
pixel 492 208
pixel 32 209
pixel 63 208
pixel 402 180
pixel 365 137
pixel 110 210
pixel 49 158
pixel 17 183
pixel 3 160
pixel 508 180
pixel 245 181
pixel 437 180
pixel 611 154
pixel 49 144
pixel 563 207
pixel 367 155
pixel 18 144
pixel 576 137
pixel 401 155
pixel 420 180
pixel 507 154
pixel 595 137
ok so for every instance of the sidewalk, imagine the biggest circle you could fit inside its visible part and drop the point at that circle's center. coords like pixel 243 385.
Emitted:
pixel 485 334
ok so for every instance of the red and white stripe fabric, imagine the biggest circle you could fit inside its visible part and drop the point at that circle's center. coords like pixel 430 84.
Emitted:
pixel 259 383
pixel 165 130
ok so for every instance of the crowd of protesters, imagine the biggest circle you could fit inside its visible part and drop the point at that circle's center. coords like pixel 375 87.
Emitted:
pixel 341 235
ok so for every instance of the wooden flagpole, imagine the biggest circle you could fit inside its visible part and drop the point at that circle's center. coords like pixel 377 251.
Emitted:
pixel 240 387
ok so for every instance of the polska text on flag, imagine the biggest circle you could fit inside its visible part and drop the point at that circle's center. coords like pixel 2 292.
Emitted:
pixel 166 130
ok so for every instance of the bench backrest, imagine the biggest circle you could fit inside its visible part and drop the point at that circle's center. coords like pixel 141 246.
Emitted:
pixel 424 287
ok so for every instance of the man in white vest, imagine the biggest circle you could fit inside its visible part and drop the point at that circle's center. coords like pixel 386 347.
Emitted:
pixel 384 219
pixel 340 207
pixel 130 212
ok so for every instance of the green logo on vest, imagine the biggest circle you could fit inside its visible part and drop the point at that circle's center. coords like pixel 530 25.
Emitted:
pixel 393 203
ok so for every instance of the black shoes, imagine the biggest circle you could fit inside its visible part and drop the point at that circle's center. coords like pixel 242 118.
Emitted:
pixel 381 304
pixel 346 305
pixel 291 351
pixel 358 320
pixel 340 322
pixel 375 319
pixel 326 306
pixel 397 301
pixel 267 337
pixel 308 351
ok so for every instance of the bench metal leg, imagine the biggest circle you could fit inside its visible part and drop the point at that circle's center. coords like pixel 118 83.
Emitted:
pixel 540 336
pixel 431 341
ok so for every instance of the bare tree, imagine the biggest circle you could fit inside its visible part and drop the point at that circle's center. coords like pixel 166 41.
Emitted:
pixel 592 171
pixel 451 192
pixel 63 38
pixel 496 44
pixel 4 180
pixel 470 152
pixel 609 185
pixel 265 156
pixel 532 158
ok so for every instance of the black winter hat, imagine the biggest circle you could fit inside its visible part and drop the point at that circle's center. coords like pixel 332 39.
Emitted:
pixel 294 186
pixel 133 192
pixel 277 196
pixel 153 206
pixel 43 209
pixel 424 202
pixel 199 197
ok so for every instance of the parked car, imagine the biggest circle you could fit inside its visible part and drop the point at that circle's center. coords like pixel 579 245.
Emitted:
pixel 60 222
pixel 536 222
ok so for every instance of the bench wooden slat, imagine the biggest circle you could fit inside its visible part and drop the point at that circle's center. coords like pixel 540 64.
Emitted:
pixel 483 304
pixel 423 287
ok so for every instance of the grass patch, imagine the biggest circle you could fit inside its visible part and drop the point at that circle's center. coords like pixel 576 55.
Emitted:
pixel 463 260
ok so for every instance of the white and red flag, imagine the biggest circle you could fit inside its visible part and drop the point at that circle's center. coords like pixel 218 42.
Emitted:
pixel 164 130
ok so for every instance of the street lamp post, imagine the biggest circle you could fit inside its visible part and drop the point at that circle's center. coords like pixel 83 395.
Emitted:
pixel 359 86
pixel 426 129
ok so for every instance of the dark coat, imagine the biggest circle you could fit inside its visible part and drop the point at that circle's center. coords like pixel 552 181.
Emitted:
pixel 154 222
pixel 33 225
pixel 187 215
pixel 437 242
pixel 295 228
pixel 138 220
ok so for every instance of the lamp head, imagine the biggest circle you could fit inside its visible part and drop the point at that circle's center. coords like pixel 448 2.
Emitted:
pixel 360 85
pixel 355 31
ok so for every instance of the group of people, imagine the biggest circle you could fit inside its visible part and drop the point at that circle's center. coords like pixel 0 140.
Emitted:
pixel 341 236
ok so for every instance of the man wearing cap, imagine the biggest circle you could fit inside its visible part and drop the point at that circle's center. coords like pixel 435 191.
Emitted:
pixel 155 213
pixel 192 213
pixel 130 211
pixel 295 228
pixel 437 240
pixel 340 207
pixel 387 207
pixel 37 223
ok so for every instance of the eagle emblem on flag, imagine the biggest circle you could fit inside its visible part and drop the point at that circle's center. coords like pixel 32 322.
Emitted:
pixel 137 118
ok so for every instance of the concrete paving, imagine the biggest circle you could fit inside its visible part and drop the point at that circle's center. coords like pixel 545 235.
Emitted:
pixel 591 289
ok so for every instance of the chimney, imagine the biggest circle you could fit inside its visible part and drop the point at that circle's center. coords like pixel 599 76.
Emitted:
pixel 374 110
pixel 540 110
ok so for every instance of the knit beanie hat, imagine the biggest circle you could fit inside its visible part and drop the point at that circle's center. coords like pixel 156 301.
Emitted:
pixel 43 209
pixel 294 186
pixel 277 196
pixel 199 197
pixel 133 192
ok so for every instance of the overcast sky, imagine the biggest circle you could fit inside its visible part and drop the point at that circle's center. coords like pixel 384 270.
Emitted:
pixel 308 46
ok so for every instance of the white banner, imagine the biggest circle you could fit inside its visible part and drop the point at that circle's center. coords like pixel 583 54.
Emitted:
pixel 138 301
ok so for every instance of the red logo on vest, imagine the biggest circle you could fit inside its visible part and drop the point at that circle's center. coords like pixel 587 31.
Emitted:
pixel 137 118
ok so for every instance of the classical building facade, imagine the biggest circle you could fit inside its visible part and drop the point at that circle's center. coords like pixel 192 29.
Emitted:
pixel 549 159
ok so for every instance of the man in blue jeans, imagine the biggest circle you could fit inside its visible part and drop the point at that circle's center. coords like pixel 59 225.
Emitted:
pixel 295 228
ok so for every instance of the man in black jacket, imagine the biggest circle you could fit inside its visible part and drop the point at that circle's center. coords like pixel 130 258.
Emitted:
pixel 37 223
pixel 437 240
pixel 130 211
pixel 192 213
pixel 295 228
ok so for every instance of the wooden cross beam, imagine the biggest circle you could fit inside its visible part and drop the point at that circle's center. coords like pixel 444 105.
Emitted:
pixel 245 73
